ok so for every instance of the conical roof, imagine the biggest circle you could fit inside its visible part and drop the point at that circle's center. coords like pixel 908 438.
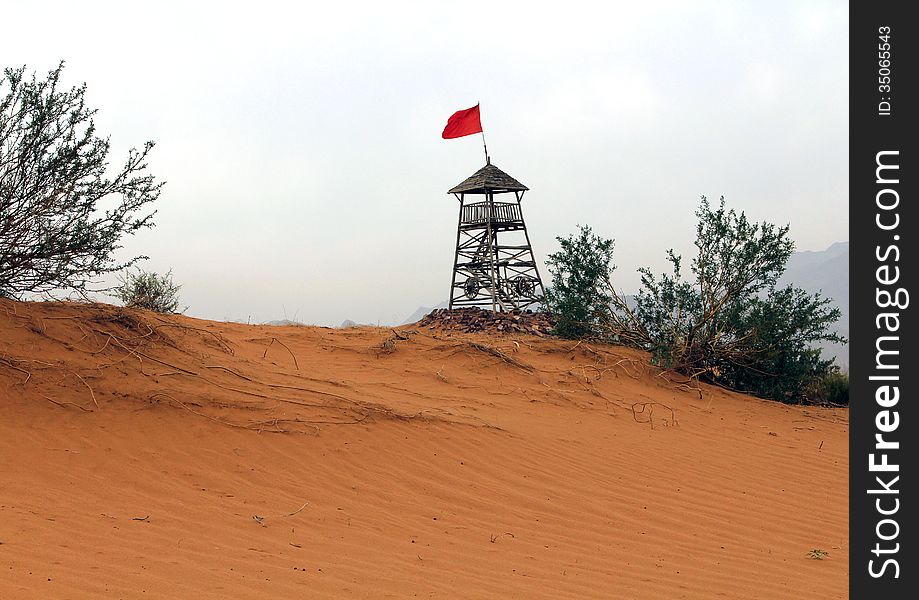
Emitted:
pixel 491 179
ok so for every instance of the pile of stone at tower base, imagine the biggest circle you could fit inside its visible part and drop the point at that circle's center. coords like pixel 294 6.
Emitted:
pixel 475 320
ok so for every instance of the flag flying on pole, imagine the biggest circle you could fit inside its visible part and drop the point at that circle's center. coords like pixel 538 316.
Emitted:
pixel 463 122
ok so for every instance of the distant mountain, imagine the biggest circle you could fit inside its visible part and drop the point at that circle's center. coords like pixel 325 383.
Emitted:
pixel 826 272
pixel 422 311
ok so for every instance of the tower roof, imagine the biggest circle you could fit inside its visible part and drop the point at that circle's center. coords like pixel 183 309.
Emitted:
pixel 488 179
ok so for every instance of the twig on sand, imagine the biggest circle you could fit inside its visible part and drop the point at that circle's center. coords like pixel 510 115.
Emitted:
pixel 273 340
pixel 573 348
pixel 9 363
pixel 388 346
pixel 228 370
pixel 629 361
pixel 305 504
pixel 258 426
pixel 223 344
pixel 688 388
pixel 649 407
pixel 64 404
pixel 137 353
pixel 102 349
pixel 200 414
pixel 691 384
pixel 91 392
pixel 260 519
pixel 491 350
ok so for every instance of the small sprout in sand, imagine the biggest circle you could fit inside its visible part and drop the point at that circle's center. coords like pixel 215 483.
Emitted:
pixel 818 554
pixel 493 538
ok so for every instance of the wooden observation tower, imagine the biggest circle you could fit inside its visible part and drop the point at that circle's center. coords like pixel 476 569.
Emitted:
pixel 494 265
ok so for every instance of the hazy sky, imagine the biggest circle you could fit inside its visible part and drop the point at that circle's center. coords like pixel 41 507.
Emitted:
pixel 301 142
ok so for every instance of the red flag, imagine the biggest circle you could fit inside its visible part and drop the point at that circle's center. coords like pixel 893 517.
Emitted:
pixel 463 122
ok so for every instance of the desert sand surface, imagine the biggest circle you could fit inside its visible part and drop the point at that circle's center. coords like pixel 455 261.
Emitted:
pixel 146 456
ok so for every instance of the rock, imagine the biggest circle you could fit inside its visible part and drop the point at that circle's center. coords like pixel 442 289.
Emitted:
pixel 475 320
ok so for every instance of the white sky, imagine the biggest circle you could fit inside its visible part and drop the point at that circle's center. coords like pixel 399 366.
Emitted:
pixel 301 143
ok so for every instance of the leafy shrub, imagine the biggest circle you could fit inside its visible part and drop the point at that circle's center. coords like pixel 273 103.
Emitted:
pixel 150 291
pixel 729 324
pixel 63 208
pixel 579 296
pixel 832 389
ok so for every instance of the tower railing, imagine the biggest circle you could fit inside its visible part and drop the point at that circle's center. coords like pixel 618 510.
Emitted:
pixel 501 212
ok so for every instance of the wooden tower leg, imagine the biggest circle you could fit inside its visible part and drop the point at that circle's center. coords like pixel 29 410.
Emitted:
pixel 492 253
pixel 459 222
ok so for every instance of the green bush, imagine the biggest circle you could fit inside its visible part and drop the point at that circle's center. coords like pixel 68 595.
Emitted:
pixel 579 296
pixel 729 324
pixel 150 291
pixel 832 389
pixel 64 208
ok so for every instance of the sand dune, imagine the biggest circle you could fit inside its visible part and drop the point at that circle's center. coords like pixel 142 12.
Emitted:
pixel 144 456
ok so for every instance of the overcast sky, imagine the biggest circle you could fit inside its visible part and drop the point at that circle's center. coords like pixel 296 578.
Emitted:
pixel 301 146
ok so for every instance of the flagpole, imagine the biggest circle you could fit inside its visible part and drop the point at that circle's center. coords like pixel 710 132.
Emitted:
pixel 484 145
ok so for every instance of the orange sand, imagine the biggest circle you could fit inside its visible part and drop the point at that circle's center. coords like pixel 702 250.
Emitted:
pixel 152 457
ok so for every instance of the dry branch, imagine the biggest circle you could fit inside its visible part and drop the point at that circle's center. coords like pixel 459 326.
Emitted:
pixel 9 363
pixel 228 370
pixel 491 350
pixel 223 344
pixel 91 392
pixel 649 407
pixel 273 340
pixel 138 353
pixel 388 346
pixel 64 404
